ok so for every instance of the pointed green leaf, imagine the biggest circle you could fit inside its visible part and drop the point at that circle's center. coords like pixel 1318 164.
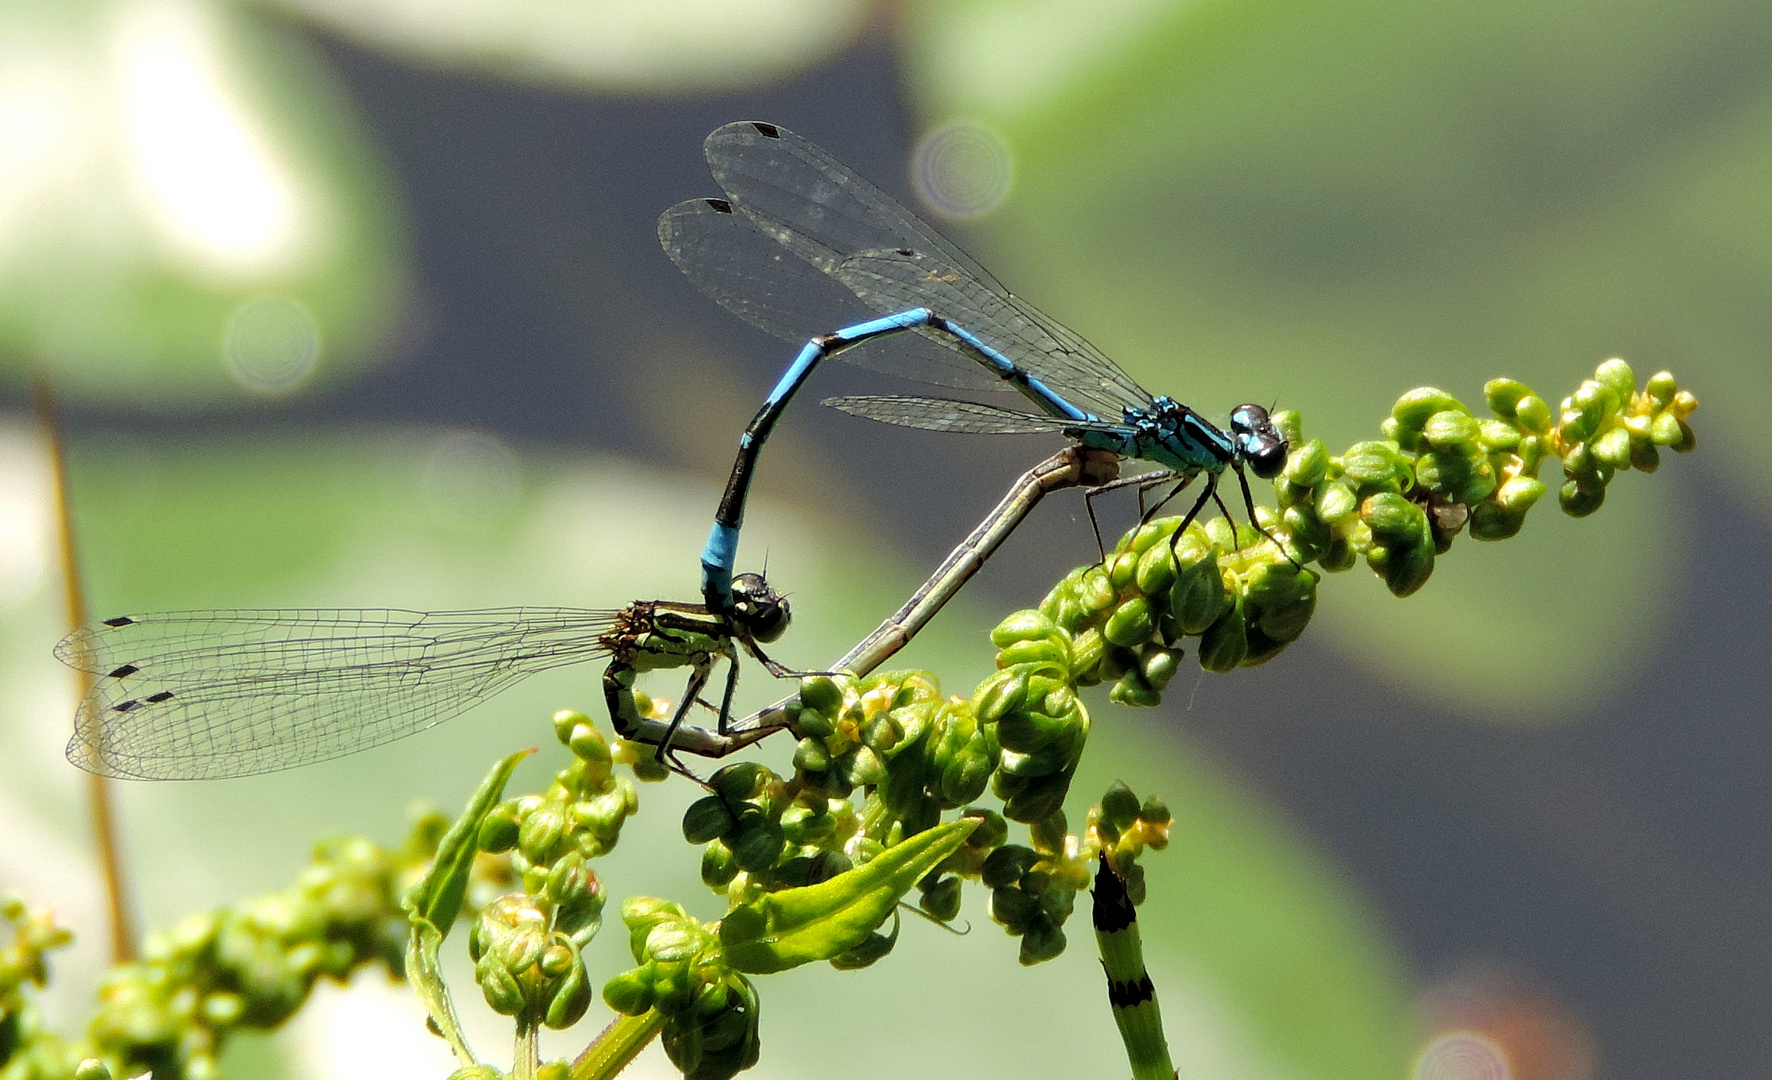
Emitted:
pixel 796 926
pixel 437 898
pixel 432 905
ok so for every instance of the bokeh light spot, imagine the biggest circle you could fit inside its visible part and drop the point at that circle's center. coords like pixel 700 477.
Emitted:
pixel 1461 1055
pixel 470 480
pixel 962 171
pixel 271 345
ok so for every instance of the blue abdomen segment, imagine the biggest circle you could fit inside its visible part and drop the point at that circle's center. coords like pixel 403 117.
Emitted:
pixel 720 556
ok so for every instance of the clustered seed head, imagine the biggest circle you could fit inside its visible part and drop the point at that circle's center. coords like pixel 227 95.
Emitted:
pixel 909 752
pixel 710 1011
pixel 1120 827
pixel 527 945
pixel 250 965
pixel 1401 500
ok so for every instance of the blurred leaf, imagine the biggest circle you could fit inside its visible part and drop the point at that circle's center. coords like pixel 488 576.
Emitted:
pixel 189 209
pixel 671 46
pixel 1259 200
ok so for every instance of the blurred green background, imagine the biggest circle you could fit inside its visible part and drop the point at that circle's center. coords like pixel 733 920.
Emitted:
pixel 358 302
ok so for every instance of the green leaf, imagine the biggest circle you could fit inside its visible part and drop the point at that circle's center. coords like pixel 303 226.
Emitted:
pixel 432 905
pixel 437 898
pixel 797 926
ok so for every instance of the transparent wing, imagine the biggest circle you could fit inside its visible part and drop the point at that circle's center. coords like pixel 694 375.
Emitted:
pixel 813 205
pixel 1040 345
pixel 750 274
pixel 191 695
pixel 938 414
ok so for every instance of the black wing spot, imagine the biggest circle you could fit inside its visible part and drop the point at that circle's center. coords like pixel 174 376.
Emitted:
pixel 768 131
pixel 126 669
pixel 161 696
pixel 719 206
pixel 125 706
pixel 906 252
pixel 121 620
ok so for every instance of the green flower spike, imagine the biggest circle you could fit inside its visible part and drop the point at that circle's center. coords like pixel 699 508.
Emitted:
pixel 249 965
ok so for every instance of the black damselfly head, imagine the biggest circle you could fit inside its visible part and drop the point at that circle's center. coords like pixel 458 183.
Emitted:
pixel 758 609
pixel 1259 442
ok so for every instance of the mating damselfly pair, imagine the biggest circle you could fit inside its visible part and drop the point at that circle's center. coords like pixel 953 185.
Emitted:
pixel 802 247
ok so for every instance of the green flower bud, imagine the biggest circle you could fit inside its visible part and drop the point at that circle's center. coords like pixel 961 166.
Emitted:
pixel 718 868
pixel 1643 455
pixel 1042 942
pixel 1031 798
pixel 1310 533
pixel 1450 428
pixel 588 745
pixel 942 900
pixel 630 993
pixel 1339 556
pixel 1617 377
pixel 811 755
pixel 570 1001
pixel 1415 408
pixel 741 781
pixel 1613 448
pixel 1336 501
pixel 1580 501
pixel 1130 624
pixel 1373 467
pixel 860 767
pixel 1000 694
pixel 1198 598
pixel 1159 666
pixel 1308 465
pixel 1582 412
pixel 1496 437
pixel 1686 442
pixel 1156 570
pixel 1534 414
pixel 1095 591
pixel 1225 642
pixel 1134 692
pixel 1403 564
pixel 1006 865
pixel 499 986
pixel 1497 520
pixel 1044 652
pixel 499 831
pixel 1013 908
pixel 820 694
pixel 708 818
pixel 1392 518
pixel 540 831
pixel 757 844
pixel 1023 625
pixel 1087 649
pixel 1121 567
pixel 1665 429
pixel 1503 396
pixel 1661 389
pixel 92 1069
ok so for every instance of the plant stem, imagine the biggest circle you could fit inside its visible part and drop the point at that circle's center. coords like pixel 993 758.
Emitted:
pixel 618 1045
pixel 98 788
